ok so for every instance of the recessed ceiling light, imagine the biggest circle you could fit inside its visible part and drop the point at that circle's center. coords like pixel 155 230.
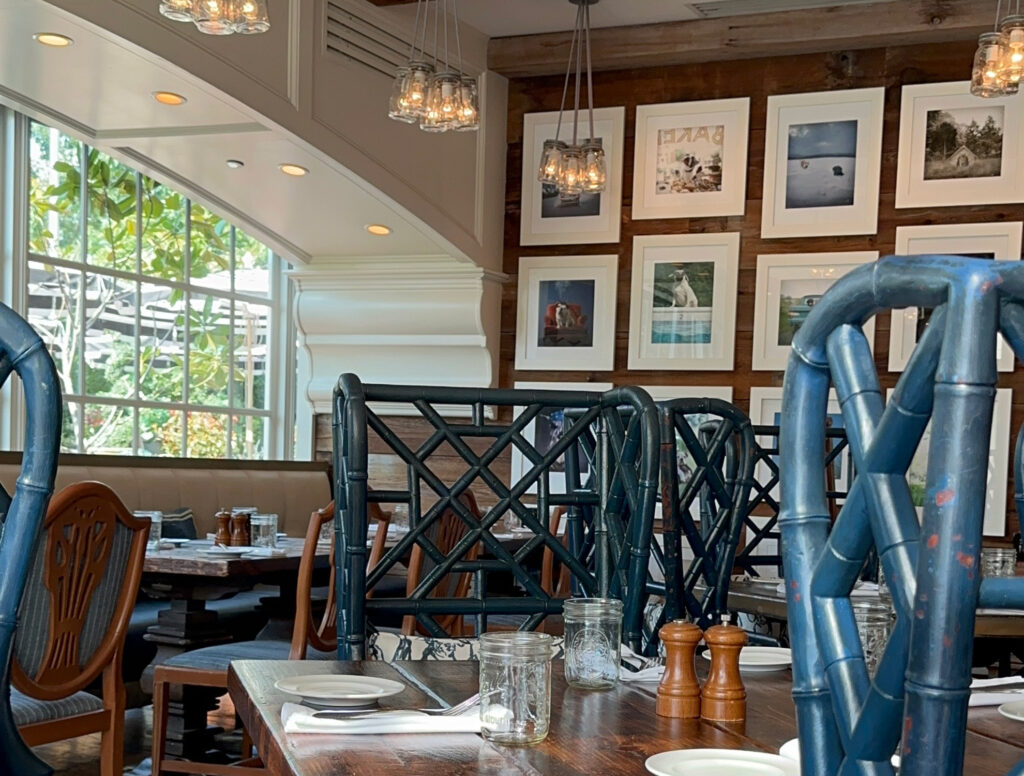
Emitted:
pixel 53 39
pixel 169 98
pixel 296 170
pixel 378 229
pixel 234 164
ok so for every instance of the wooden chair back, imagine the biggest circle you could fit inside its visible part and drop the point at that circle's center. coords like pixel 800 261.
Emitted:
pixel 323 635
pixel 82 588
pixel 450 529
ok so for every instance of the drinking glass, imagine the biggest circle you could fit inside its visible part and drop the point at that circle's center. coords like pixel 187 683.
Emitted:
pixel 515 687
pixel 593 633
pixel 998 562
pixel 264 530
pixel 156 521
pixel 874 622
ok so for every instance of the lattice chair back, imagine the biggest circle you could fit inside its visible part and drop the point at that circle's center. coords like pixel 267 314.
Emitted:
pixel 760 553
pixel 23 352
pixel 609 476
pixel 850 722
pixel 707 467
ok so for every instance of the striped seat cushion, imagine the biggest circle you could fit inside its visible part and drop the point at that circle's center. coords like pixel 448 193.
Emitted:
pixel 219 657
pixel 389 647
pixel 28 710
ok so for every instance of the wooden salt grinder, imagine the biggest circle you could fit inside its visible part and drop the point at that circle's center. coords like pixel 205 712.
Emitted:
pixel 223 535
pixel 679 692
pixel 724 698
pixel 238 537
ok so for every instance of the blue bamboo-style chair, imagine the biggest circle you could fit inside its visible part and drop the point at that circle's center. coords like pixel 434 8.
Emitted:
pixel 610 458
pixel 721 448
pixel 23 352
pixel 850 723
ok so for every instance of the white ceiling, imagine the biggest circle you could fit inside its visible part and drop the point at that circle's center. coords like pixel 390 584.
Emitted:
pixel 101 90
pixel 502 18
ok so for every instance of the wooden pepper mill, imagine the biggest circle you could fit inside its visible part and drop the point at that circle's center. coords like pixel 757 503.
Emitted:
pixel 223 535
pixel 679 692
pixel 724 698
pixel 239 537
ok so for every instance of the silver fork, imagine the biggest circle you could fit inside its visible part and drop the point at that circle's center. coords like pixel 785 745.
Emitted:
pixel 451 711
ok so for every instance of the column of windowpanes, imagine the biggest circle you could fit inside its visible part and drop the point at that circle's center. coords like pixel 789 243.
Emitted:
pixel 136 345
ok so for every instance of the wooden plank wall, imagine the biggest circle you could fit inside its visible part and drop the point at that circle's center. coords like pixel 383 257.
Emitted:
pixel 889 67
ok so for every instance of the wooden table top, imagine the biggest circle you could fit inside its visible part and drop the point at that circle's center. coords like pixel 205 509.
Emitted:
pixel 765 598
pixel 608 733
pixel 188 560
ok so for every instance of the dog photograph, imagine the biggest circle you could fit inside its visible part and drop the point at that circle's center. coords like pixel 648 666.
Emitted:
pixel 566 312
pixel 821 164
pixel 681 302
pixel 689 160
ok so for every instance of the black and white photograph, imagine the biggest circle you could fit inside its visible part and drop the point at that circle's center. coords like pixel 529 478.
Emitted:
pixel 964 143
pixel 821 164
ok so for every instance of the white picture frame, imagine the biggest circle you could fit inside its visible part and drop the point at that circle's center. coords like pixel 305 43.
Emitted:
pixel 994 523
pixel 579 335
pixel 690 159
pixel 925 179
pixel 822 159
pixel 788 276
pixel 1000 241
pixel 682 303
pixel 520 464
pixel 597 217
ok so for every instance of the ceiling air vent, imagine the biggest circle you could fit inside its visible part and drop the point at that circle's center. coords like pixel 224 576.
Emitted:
pixel 716 9
pixel 354 36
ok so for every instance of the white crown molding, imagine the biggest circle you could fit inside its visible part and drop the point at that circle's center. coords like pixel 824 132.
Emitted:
pixel 431 320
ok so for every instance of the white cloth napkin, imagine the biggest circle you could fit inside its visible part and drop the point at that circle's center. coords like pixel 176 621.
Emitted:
pixel 646 669
pixel 266 552
pixel 300 719
pixel 652 674
pixel 986 692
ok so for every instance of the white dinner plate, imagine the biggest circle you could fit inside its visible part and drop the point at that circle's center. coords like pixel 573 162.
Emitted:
pixel 791 751
pixel 177 542
pixel 761 660
pixel 339 689
pixel 720 762
pixel 1013 710
pixel 224 552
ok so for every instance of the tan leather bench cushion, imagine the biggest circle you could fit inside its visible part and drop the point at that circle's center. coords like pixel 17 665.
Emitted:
pixel 292 490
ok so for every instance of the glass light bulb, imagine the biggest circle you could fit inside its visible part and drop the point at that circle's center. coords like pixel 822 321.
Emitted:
pixel 177 10
pixel 441 103
pixel 987 73
pixel 396 104
pixel 250 17
pixel 214 17
pixel 593 166
pixel 469 112
pixel 570 172
pixel 550 161
pixel 414 91
pixel 1011 68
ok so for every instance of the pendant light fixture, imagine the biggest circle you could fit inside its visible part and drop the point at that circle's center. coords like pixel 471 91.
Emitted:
pixel 578 166
pixel 219 17
pixel 433 91
pixel 999 60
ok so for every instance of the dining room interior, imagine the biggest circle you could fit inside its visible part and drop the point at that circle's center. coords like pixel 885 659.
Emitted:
pixel 642 374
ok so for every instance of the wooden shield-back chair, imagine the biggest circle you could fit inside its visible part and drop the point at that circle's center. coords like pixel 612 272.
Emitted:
pixel 81 591
pixel 23 352
pixel 313 637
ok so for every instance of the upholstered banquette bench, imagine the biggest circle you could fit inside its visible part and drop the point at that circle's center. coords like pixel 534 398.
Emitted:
pixel 190 491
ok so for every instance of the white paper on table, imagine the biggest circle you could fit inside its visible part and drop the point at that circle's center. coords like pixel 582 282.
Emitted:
pixel 299 719
pixel 987 692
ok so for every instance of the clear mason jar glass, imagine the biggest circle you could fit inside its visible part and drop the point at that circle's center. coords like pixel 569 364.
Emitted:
pixel 515 687
pixel 593 632
pixel 998 562
pixel 874 622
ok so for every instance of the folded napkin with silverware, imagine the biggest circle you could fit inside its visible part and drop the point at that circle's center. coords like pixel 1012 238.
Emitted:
pixel 995 692
pixel 267 552
pixel 302 719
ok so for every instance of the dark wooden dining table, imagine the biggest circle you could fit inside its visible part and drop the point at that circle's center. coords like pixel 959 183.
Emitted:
pixel 606 733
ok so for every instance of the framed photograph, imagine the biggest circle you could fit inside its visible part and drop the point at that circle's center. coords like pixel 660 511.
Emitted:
pixel 691 159
pixel 788 286
pixel 998 463
pixel 546 429
pixel 822 156
pixel 546 218
pixel 999 241
pixel 958 149
pixel 566 316
pixel 682 303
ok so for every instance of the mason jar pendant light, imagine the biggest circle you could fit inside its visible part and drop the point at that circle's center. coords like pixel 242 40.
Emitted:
pixel 430 90
pixel 578 166
pixel 999 59
pixel 219 17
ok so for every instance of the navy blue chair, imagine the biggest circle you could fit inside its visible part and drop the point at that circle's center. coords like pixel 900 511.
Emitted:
pixel 23 352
